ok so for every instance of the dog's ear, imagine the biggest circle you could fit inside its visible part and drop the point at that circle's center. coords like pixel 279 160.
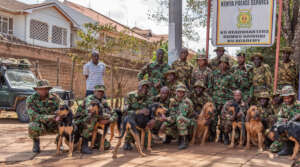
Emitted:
pixel 248 116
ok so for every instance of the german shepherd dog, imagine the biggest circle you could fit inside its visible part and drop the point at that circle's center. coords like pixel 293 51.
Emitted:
pixel 290 130
pixel 203 122
pixel 140 122
pixel 115 124
pixel 67 130
pixel 254 128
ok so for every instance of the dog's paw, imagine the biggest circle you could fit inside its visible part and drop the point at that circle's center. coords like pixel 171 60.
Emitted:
pixel 143 154
pixel 70 155
pixel 247 147
pixel 149 149
pixel 231 146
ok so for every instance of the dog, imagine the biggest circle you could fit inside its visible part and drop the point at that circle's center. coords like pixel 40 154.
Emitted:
pixel 116 124
pixel 67 130
pixel 290 130
pixel 237 120
pixel 203 122
pixel 254 128
pixel 135 122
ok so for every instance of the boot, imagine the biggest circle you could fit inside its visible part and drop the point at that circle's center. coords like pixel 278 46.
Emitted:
pixel 287 149
pixel 183 142
pixel 127 146
pixel 226 139
pixel 85 147
pixel 168 139
pixel 97 142
pixel 36 145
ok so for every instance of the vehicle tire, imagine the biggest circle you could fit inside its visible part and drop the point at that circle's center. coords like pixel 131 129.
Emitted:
pixel 22 112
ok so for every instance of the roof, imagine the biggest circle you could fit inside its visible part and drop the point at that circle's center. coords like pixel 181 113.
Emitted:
pixel 16 7
pixel 151 36
pixel 102 19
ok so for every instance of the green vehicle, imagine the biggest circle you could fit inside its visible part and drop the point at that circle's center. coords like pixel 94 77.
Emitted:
pixel 16 84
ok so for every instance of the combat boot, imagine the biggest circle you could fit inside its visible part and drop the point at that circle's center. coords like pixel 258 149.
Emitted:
pixel 287 149
pixel 226 139
pixel 36 145
pixel 85 147
pixel 183 142
pixel 168 139
pixel 127 146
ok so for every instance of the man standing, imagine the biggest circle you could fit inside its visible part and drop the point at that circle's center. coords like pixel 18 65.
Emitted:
pixel 214 63
pixel 243 76
pixel 201 72
pixel 155 72
pixel 183 68
pixel 287 70
pixel 262 77
pixel 93 72
pixel 136 102
pixel 41 108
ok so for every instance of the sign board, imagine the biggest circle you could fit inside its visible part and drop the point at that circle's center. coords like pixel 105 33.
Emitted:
pixel 243 22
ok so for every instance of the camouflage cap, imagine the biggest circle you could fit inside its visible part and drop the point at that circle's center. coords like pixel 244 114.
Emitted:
pixel 224 59
pixel 181 87
pixel 287 91
pixel 99 88
pixel 257 54
pixel 201 56
pixel 144 82
pixel 40 84
pixel 276 93
pixel 264 94
pixel 219 49
pixel 199 83
pixel 287 50
pixel 170 72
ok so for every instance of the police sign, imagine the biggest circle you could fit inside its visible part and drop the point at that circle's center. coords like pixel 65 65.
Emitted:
pixel 244 22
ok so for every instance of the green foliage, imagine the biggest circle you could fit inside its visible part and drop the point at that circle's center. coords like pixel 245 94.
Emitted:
pixel 164 47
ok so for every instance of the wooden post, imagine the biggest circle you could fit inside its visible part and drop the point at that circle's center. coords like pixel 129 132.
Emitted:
pixel 112 86
pixel 57 71
pixel 208 27
pixel 277 46
pixel 72 73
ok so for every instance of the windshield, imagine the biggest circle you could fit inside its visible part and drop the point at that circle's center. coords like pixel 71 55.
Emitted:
pixel 21 79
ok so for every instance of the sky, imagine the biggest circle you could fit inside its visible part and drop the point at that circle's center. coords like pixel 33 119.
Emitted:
pixel 135 13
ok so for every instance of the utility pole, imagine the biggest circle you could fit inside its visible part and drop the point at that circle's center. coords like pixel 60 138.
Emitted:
pixel 175 30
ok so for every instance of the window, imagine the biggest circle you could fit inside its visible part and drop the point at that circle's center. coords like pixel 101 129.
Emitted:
pixel 6 25
pixel 39 30
pixel 59 35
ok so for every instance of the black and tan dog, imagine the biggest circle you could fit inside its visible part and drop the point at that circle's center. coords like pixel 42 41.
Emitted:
pixel 289 130
pixel 203 123
pixel 140 122
pixel 67 130
pixel 116 124
pixel 254 128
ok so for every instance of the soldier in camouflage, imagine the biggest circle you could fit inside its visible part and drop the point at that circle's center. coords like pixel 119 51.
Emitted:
pixel 287 70
pixel 242 73
pixel 171 82
pixel 86 122
pixel 288 110
pixel 183 68
pixel 199 96
pixel 262 77
pixel 163 97
pixel 180 117
pixel 214 63
pixel 136 102
pixel 222 86
pixel 155 72
pixel 41 108
pixel 276 101
pixel 201 72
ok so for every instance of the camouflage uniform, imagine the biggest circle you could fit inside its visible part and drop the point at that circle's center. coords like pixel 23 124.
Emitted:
pixel 214 63
pixel 183 71
pixel 268 112
pixel 286 113
pixel 200 101
pixel 243 77
pixel 135 102
pixel 287 72
pixel 155 73
pixel 262 77
pixel 171 85
pixel 42 112
pixel 201 74
pixel 158 99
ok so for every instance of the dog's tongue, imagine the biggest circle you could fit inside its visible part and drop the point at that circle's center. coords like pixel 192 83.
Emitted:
pixel 57 118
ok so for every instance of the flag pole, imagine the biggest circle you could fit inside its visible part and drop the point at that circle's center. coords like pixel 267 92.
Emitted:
pixel 277 45
pixel 208 27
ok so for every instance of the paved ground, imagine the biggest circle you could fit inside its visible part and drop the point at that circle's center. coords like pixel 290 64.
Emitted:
pixel 15 150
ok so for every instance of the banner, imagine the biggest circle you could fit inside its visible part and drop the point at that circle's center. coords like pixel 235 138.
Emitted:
pixel 243 22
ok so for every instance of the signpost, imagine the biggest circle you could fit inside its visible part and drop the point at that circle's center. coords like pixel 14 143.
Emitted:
pixel 244 22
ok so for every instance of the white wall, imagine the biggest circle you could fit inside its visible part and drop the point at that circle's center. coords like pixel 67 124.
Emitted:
pixel 51 17
pixel 18 25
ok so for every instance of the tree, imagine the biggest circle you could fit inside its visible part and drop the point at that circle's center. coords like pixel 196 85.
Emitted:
pixel 194 15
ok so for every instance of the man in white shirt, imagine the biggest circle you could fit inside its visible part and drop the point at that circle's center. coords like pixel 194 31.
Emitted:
pixel 93 72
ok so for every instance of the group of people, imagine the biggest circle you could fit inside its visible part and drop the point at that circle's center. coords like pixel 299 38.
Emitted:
pixel 183 89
